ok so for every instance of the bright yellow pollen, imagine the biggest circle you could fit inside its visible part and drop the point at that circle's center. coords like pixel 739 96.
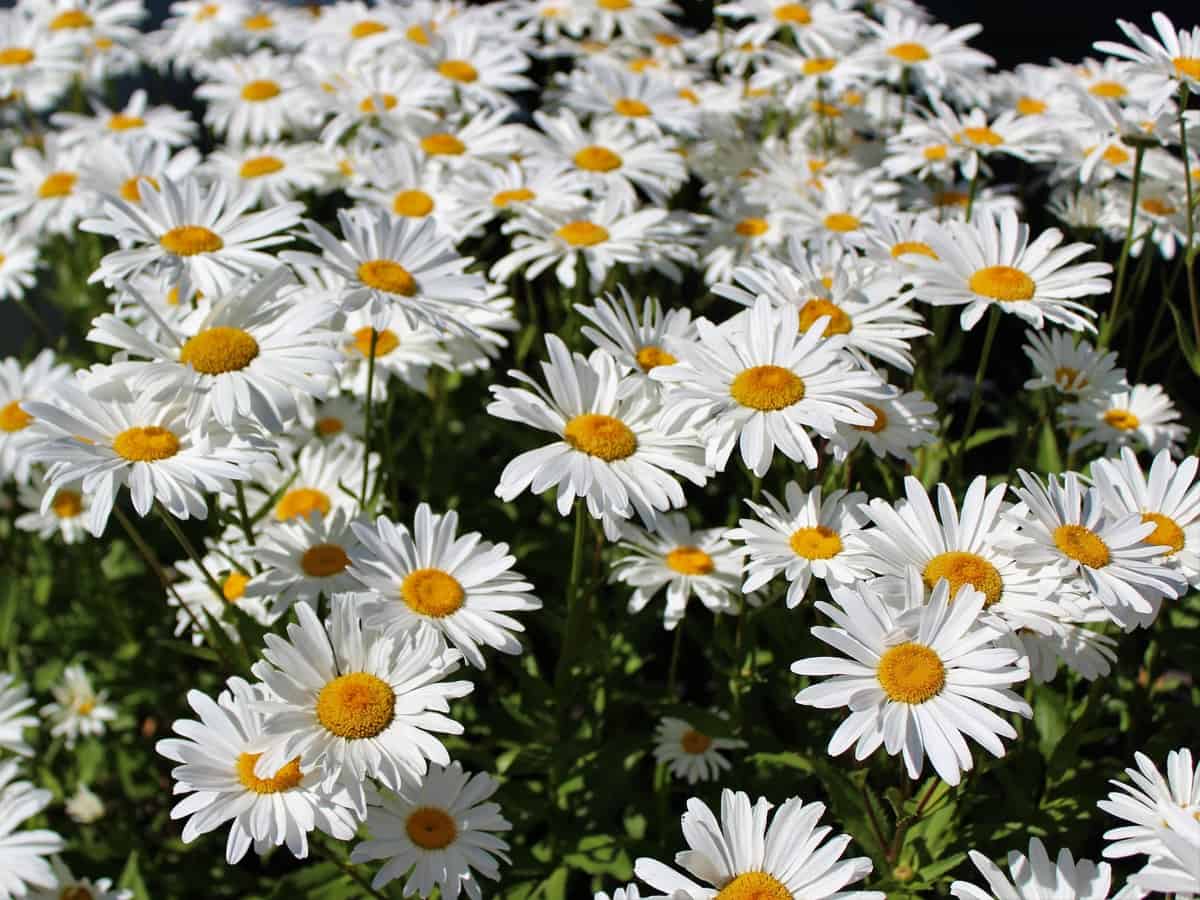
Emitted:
pixel 694 741
pixel 819 65
pixel 330 425
pixel 1121 419
pixel 369 107
pixel 651 357
pixel 1082 545
pixel 935 152
pixel 86 707
pixel 1003 283
pixel 302 502
pixel 413 204
pixel 1069 379
pixel 323 560
pixel 689 95
pixel 417 35
pixel 597 159
pixel 1109 89
pixel 767 388
pixel 517 195
pixel 793 14
pixel 904 248
pixel 385 342
pixel 1115 156
pixel 815 542
pixel 131 190
pixel 57 184
pixel 257 91
pixel 909 53
pixel 13 418
pixel 839 322
pixel 443 144
pixel 432 592
pixel 430 828
pixel 1157 207
pixel 258 166
pixel 356 706
pixel 630 106
pixel 754 886
pixel 1030 106
pixel 751 227
pixel 880 423
pixel 189 240
pixel 283 780
pixel 1187 67
pixel 388 276
pixel 146 444
pixel 582 234
pixel 457 70
pixel 71 19
pixel 911 673
pixel 16 56
pixel 601 436
pixel 1166 533
pixel 841 222
pixel 67 504
pixel 981 135
pixel 366 28
pixel 614 5
pixel 216 351
pixel 234 587
pixel 690 561
pixel 961 568
pixel 122 122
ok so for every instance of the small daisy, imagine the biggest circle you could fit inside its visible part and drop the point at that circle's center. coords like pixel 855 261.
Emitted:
pixel 401 181
pixel 23 853
pixel 272 173
pixel 1170 62
pixel 1074 367
pixel 77 710
pixel 769 18
pixel 218 756
pixel 384 101
pixel 403 350
pixel 936 54
pixel 162 124
pixel 228 562
pixel 18 386
pixel 1087 653
pixel 1142 416
pixel 744 856
pixel 808 537
pixel 18 261
pixel 67 515
pixel 482 72
pixel 634 19
pixel 550 187
pixel 637 342
pixel 252 99
pixel 684 561
pixel 842 210
pixel 1036 876
pixel 335 418
pixel 903 423
pixel 1141 803
pixel 443 831
pixel 323 477
pixel 14 700
pixel 303 558
pixel 41 191
pixel 645 104
pixel 689 753
pixel 35 62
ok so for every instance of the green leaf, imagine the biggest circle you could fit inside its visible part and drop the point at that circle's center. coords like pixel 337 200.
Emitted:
pixel 131 878
pixel 1048 457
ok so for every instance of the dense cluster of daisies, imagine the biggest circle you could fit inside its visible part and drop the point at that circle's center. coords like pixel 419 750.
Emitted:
pixel 830 174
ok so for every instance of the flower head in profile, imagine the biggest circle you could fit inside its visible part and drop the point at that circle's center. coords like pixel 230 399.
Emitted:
pixel 1036 876
pixel 690 753
pixel 1166 62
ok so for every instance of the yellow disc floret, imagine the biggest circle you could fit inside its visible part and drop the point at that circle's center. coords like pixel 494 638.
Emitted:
pixel 767 388
pixel 323 560
pixel 517 195
pixel 880 423
pixel 755 886
pixel 16 56
pixel 430 828
pixel 388 276
pixel 694 741
pixel 1121 419
pixel 302 502
pixel 385 341
pixel 909 52
pixel 13 418
pixel 146 443
pixel 959 568
pixel 842 222
pixel 1082 545
pixel 258 166
pixel 260 90
pixel 458 70
pixel 908 248
pixel 412 204
pixel 218 350
pixel 602 436
pixel 356 706
pixel 432 592
pixel 690 561
pixel 67 504
pixel 1166 533
pixel 443 144
pixel 283 780
pixel 793 14
pixel 911 673
pixel 57 184
pixel 71 19
pixel 815 542
pixel 631 107
pixel 190 240
pixel 581 233
pixel 595 158
pixel 816 308
pixel 651 357
pixel 751 227
pixel 234 586
pixel 1003 283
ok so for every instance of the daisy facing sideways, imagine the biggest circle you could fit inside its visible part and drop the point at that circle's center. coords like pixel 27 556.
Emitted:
pixel 690 753
pixel 23 863
pixel 1037 876
pixel 1141 803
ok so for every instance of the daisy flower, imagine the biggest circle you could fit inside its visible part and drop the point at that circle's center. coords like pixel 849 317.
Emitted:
pixel 764 386
pixel 903 422
pixel 252 99
pixel 18 261
pixel 218 756
pixel 137 120
pixel 468 141
pixel 303 558
pixel 915 681
pixel 123 167
pixel 338 417
pixel 769 18
pixel 71 887
pixel 937 55
pixel 229 562
pixel 41 190
pixel 358 703
pixel 14 700
pixel 497 191
pixel 647 105
pixel 20 385
pixel 608 450
pixel 1087 653
pixel 744 856
pixel 35 62
pixel 442 832
pixel 636 341
pixel 402 350
pixel 841 211
pixel 480 70
pixel 384 102
pixel 991 261
pixel 1072 366
pixel 806 537
pixel 1142 416
pixel 77 709
pixel 66 517
pixel 1175 869
pixel 272 173
pixel 689 753
pixel 684 561
pixel 1169 62
pixel 1036 876
pixel 1142 802
pixel 406 184
pixel 633 19
pixel 738 233
pixel 1008 134
pixel 323 477
pixel 89 22
pixel 23 854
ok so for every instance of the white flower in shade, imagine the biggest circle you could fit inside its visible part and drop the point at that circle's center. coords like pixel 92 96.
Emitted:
pixel 70 887
pixel 1142 802
pixel 164 125
pixel 1165 64
pixel 441 832
pixel 23 854
pixel 84 807
pixel 273 173
pixel 253 98
pixel 67 515
pixel 1168 496
pixel 1072 366
pixel 915 681
pixel 202 236
pixel 935 54
pixel 19 384
pixel 336 418
pixel 1066 526
pixel 990 261
pixel 37 64
pixel 690 753
pixel 460 586
pixel 229 562
pixel 403 349
pixel 1142 416
pixel 322 478
pixel 903 422
pixel 18 260
pixel 78 710
pixel 302 558
pixel 354 701
pixel 1087 653
pixel 764 387
pixel 218 757
pixel 684 561
pixel 1175 868
pixel 1035 877
pixel 807 537
pixel 14 701
pixel 42 191
pixel 744 856
pixel 607 450
pixel 637 342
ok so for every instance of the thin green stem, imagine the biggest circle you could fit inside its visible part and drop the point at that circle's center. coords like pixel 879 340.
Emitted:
pixel 575 609
pixel 904 824
pixel 673 671
pixel 873 820
pixel 189 549
pixel 244 513
pixel 972 190
pixel 977 392
pixel 347 869
pixel 364 491
pixel 1111 320
pixel 1189 258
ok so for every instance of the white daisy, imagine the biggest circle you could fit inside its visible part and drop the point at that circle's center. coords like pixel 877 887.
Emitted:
pixel 122 167
pixel 162 124
pixel 1168 62
pixel 321 478
pixel 84 807
pixel 41 191
pixel 1036 876
pixel 406 184
pixel 77 710
pixel 1175 869
pixel 690 753
pixel 488 193
pixel 18 386
pixel 644 103
pixel 252 99
pixel 23 854
pixel 384 101
pixel 14 700
pixel 1072 366
pixel 1142 416
pixel 35 62
pixel 1142 803
pixel 403 350
pixel 935 54
pixel 273 173
pixel 18 261
pixel 229 562
pixel 481 70
pixel 67 515
pixel 303 558
pixel 903 422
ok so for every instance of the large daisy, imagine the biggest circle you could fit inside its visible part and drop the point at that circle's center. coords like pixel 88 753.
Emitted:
pixel 23 863
pixel 1141 804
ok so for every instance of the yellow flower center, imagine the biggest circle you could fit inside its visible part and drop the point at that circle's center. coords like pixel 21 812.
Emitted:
pixel 663 39
pixel 839 322
pixel 632 107
pixel 950 198
pixel 131 190
pixel 935 152
pixel 283 780
pixel 1121 419
pixel 302 502
pixel 206 12
pixel 260 90
pixel 905 248
pixel 1002 283
pixel 751 227
pixel 258 166
pixel 388 101
pixel 234 587
pixel 388 276
pixel 385 342
pixel 1069 379
pixel 597 159
pixel 1109 89
pixel 146 444
pixel 122 122
pixel 793 14
pixel 815 542
pixel 981 135
pixel 16 56
pixel 825 110
pixel 330 425
pixel 13 418
pixel 517 195
pixel 57 184
pixel 86 707
pixel 841 222
pixel 909 52
pixel 457 70
pixel 614 5
pixel 582 233
pixel 961 568
pixel 694 741
pixel 443 144
pixel 819 65
pixel 70 19
pixel 1082 545
pixel 430 828
pixel 356 706
pixel 1029 106
pixel 1166 533
pixel 651 357
pixel 432 592
pixel 767 388
pixel 260 22
pixel 417 35
pixel 189 240
pixel 689 561
pixel 689 95
pixel 754 886
pixel 1157 206
pixel 323 560
pixel 911 673
pixel 601 436
pixel 67 504
pixel 880 423
pixel 412 204
pixel 366 28
pixel 1187 67
pixel 216 351
pixel 1115 155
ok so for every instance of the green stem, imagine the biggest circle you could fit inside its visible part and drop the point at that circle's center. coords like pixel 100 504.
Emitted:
pixel 903 825
pixel 1110 321
pixel 1189 258
pixel 347 869
pixel 575 609
pixel 673 671
pixel 366 466
pixel 976 392
pixel 972 190
pixel 244 513
pixel 39 324
pixel 189 549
